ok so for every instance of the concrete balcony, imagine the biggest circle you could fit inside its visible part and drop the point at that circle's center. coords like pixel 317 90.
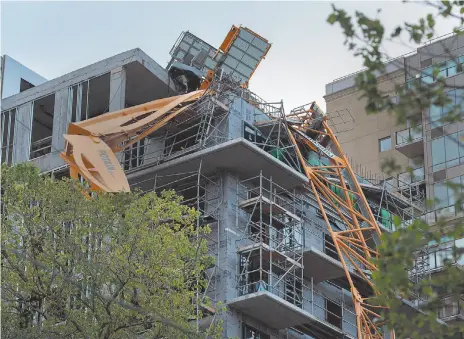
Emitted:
pixel 312 314
pixel 410 142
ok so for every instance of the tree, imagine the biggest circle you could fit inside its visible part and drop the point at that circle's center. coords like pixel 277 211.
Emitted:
pixel 113 266
pixel 366 37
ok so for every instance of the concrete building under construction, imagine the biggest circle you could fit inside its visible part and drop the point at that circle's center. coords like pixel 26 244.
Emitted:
pixel 291 253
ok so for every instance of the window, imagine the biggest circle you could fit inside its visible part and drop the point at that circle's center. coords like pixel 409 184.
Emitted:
pixel 333 313
pixel 436 113
pixel 409 135
pixel 449 308
pixel 42 126
pixel 329 246
pixel 252 333
pixel 134 154
pixel 445 195
pixel 445 69
pixel 24 85
pixel 7 127
pixel 439 257
pixel 447 151
pixel 385 144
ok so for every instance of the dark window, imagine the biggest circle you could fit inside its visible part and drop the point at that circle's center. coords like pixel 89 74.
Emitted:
pixel 252 333
pixel 329 247
pixel 334 313
pixel 24 85
pixel 249 132
pixel 426 63
pixel 7 128
pixel 42 126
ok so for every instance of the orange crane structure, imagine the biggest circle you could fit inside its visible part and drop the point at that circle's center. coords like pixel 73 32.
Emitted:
pixel 91 148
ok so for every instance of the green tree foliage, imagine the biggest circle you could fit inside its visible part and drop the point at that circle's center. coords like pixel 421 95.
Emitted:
pixel 114 266
pixel 400 251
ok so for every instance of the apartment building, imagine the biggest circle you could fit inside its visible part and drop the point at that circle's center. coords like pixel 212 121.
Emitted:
pixel 433 149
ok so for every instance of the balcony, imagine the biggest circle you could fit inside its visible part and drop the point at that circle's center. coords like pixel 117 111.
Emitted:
pixel 410 142
pixel 303 307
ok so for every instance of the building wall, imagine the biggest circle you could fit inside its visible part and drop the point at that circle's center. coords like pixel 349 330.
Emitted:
pixel 361 142
pixel 360 134
pixel 12 72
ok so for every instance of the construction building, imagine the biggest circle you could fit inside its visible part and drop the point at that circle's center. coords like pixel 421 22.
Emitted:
pixel 244 163
pixel 433 149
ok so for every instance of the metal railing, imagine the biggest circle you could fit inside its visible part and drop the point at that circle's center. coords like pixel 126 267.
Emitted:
pixel 310 299
pixel 41 147
pixel 408 135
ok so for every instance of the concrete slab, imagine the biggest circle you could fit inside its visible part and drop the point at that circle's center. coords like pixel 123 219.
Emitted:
pixel 279 314
pixel 93 70
pixel 320 266
pixel 224 156
pixel 411 149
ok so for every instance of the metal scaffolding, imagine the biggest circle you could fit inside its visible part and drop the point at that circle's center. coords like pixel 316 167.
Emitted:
pixel 271 249
pixel 204 194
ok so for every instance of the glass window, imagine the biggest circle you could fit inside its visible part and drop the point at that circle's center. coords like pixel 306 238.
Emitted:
pixel 236 53
pixel 245 35
pixel 460 244
pixel 444 255
pixel 452 70
pixel 435 113
pixel 460 98
pixel 249 61
pixel 418 174
pixel 438 151
pixel 452 149
pixel 385 144
pixel 440 191
pixel 452 194
pixel 210 63
pixel 188 39
pixel 184 46
pixel 428 71
pixel 402 137
pixel 461 145
pixel 442 74
pixel 260 44
pixel 241 44
pixel 254 52
pixel 428 79
pixel 180 54
pixel 231 62
pixel 246 71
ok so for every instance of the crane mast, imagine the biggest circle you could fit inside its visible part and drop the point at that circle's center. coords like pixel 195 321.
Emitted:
pixel 91 148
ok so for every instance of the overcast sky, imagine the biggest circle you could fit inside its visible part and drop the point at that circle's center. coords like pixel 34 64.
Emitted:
pixel 54 38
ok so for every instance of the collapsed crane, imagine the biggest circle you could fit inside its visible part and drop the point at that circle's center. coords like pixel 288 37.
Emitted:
pixel 91 148
pixel 332 179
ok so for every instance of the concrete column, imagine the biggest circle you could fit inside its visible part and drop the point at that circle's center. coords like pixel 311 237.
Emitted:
pixel 117 89
pixel 22 134
pixel 61 119
pixel 118 94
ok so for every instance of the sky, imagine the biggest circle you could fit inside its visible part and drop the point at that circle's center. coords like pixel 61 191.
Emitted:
pixel 55 38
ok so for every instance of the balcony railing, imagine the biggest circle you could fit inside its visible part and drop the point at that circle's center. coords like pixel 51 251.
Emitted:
pixel 410 141
pixel 41 147
pixel 405 179
pixel 408 135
